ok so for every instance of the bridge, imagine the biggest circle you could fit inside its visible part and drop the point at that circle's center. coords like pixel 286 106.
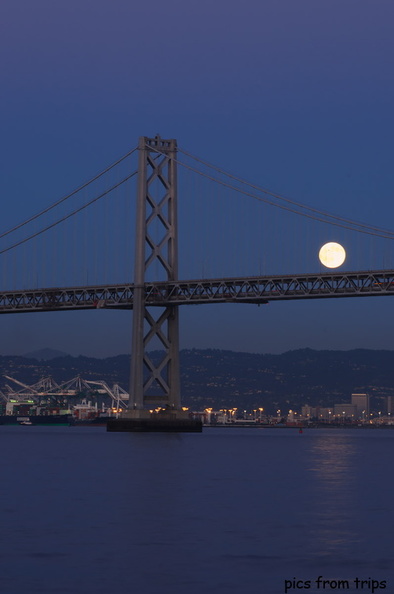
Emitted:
pixel 258 290
pixel 155 301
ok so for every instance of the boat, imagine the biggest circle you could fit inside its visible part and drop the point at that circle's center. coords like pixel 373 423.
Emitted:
pixel 62 419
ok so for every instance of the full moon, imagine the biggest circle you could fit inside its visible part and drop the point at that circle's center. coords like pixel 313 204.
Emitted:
pixel 332 255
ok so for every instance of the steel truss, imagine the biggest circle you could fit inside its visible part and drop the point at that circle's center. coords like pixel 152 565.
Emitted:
pixel 221 290
pixel 156 244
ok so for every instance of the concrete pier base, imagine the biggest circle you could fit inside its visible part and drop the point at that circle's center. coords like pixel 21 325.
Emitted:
pixel 144 421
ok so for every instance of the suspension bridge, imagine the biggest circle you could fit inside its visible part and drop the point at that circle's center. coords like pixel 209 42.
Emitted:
pixel 45 251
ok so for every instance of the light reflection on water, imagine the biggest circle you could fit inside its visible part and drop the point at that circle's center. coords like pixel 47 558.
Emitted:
pixel 332 464
pixel 229 511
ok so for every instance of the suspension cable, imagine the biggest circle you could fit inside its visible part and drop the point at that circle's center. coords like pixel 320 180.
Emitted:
pixel 74 212
pixel 367 230
pixel 42 212
pixel 288 200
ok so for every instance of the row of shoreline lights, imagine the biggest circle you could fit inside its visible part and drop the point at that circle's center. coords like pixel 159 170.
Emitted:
pixel 332 255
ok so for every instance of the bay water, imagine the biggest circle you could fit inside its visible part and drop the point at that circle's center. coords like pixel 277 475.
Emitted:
pixel 228 511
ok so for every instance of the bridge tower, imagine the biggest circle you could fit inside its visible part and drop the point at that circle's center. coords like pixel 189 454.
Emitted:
pixel 156 247
pixel 155 382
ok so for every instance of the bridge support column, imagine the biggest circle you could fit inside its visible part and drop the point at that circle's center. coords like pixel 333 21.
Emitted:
pixel 155 378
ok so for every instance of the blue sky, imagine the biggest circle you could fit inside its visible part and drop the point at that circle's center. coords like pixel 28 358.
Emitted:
pixel 294 96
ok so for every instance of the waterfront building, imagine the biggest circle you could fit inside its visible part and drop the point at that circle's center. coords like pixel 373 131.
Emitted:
pixel 345 411
pixel 390 406
pixel 361 402
pixel 317 413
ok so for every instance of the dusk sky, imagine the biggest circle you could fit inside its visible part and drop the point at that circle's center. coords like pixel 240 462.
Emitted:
pixel 296 96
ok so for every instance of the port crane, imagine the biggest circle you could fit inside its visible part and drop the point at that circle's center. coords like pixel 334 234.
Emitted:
pixel 47 387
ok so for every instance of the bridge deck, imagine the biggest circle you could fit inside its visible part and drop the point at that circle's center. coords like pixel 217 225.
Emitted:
pixel 224 290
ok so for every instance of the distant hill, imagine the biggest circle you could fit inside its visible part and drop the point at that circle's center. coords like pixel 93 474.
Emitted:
pixel 45 354
pixel 225 379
